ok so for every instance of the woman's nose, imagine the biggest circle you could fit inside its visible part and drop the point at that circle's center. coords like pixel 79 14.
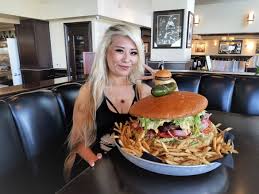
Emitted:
pixel 126 57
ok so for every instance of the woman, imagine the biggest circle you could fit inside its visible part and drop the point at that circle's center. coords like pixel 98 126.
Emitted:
pixel 113 86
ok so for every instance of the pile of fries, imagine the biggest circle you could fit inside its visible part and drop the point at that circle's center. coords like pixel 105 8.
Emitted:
pixel 187 151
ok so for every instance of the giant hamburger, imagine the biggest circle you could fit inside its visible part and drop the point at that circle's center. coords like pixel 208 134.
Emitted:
pixel 174 128
pixel 174 117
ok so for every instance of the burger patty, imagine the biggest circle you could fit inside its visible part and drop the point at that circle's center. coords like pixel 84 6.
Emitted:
pixel 167 126
pixel 163 78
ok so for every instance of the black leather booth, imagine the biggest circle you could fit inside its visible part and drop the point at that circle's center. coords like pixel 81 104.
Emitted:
pixel 34 127
pixel 227 93
pixel 66 94
pixel 33 130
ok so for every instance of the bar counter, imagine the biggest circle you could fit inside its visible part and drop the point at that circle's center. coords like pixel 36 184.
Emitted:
pixel 11 90
pixel 7 91
pixel 215 72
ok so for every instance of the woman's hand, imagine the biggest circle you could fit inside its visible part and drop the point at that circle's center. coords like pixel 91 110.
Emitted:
pixel 88 155
pixel 151 71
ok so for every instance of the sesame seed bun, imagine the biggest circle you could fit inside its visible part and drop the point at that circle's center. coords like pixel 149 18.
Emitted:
pixel 172 106
pixel 163 74
pixel 163 77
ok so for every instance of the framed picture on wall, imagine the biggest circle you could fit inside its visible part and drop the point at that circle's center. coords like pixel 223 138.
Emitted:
pixel 230 46
pixel 189 30
pixel 168 29
pixel 200 47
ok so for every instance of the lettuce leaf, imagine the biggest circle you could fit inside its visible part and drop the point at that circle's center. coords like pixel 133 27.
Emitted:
pixel 147 123
pixel 191 124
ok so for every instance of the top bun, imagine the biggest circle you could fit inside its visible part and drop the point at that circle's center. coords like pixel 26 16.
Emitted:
pixel 163 74
pixel 172 106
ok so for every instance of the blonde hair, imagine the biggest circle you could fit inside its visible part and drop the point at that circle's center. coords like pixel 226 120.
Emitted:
pixel 92 92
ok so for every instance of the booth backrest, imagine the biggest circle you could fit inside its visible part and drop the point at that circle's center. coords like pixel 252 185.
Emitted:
pixel 218 90
pixel 188 82
pixel 39 121
pixel 11 149
pixel 66 95
pixel 246 96
pixel 235 94
pixel 33 133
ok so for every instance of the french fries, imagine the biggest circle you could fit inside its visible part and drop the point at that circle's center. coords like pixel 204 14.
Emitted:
pixel 188 151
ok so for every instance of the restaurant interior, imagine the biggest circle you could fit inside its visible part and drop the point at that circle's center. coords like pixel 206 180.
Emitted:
pixel 48 52
pixel 47 48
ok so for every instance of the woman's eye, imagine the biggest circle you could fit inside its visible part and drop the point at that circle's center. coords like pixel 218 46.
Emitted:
pixel 119 50
pixel 134 53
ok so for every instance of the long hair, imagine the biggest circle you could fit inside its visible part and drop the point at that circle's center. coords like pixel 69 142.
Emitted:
pixel 92 92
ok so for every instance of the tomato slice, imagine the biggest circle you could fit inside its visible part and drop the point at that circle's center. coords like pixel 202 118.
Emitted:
pixel 165 134
pixel 208 129
pixel 173 133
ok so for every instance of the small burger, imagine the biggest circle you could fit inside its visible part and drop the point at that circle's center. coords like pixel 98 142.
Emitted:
pixel 163 77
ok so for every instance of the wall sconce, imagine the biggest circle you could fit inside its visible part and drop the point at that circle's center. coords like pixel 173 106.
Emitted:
pixel 224 38
pixel 231 38
pixel 196 19
pixel 251 17
pixel 215 42
pixel 249 46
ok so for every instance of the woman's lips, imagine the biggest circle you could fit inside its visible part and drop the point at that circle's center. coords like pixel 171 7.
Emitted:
pixel 124 67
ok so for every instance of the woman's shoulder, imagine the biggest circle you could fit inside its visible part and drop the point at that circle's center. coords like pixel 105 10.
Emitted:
pixel 85 87
pixel 84 91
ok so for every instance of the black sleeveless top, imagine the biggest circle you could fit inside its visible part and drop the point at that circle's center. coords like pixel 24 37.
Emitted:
pixel 105 118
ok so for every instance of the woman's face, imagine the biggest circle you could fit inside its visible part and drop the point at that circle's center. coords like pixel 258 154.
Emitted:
pixel 122 55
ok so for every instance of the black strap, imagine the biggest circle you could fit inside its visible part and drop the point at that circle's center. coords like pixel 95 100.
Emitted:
pixel 136 98
pixel 111 104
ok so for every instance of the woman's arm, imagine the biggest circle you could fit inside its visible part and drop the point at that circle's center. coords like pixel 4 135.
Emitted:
pixel 87 154
pixel 77 136
pixel 151 71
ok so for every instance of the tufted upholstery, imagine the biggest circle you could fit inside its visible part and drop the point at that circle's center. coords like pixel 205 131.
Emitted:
pixel 188 82
pixel 246 96
pixel 10 144
pixel 227 93
pixel 13 164
pixel 33 136
pixel 41 127
pixel 39 121
pixel 218 90
pixel 66 95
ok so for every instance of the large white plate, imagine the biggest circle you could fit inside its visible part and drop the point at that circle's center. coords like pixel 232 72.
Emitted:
pixel 169 169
